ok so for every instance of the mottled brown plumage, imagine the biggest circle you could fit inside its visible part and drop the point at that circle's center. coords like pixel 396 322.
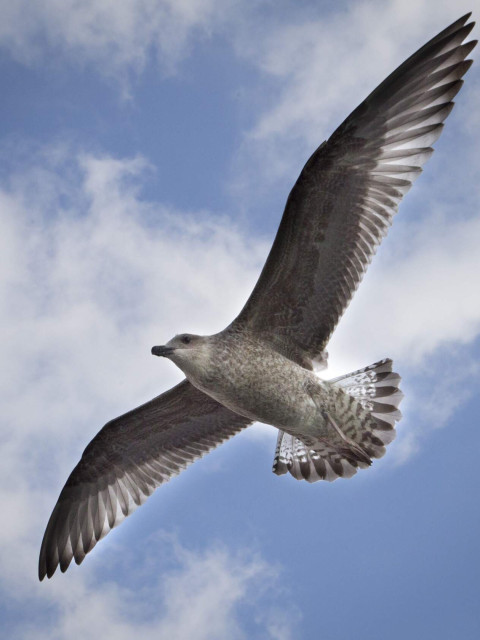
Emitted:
pixel 261 366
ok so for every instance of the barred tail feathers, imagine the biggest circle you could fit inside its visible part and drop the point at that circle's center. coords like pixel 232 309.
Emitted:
pixel 362 417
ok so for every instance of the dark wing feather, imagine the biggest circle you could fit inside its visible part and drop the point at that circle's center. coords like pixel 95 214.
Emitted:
pixel 125 462
pixel 344 200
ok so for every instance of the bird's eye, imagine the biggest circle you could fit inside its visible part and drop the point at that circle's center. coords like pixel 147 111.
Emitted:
pixel 186 339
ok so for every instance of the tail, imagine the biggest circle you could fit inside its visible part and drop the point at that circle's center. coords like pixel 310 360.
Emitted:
pixel 362 412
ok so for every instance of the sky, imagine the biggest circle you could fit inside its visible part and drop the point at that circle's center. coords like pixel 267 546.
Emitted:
pixel 147 148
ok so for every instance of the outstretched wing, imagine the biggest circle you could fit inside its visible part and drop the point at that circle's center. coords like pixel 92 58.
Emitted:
pixel 344 200
pixel 125 462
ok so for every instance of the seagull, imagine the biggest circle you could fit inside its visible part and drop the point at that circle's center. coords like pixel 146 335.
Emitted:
pixel 262 367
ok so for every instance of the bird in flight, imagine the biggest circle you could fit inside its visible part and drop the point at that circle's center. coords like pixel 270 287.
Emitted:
pixel 261 367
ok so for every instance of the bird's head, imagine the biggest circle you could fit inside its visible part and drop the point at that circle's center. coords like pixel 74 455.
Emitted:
pixel 189 352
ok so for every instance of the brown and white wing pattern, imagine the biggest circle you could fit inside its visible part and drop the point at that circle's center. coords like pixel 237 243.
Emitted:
pixel 346 196
pixel 125 462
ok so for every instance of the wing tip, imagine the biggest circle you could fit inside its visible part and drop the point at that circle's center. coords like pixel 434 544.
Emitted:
pixel 471 44
pixel 46 569
pixel 41 573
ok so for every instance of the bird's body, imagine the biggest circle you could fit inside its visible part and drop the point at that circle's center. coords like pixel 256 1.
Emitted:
pixel 250 378
pixel 261 367
pixel 253 380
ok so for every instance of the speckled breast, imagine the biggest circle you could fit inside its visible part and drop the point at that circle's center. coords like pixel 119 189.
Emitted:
pixel 255 381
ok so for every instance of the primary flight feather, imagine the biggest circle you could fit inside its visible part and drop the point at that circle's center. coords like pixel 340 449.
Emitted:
pixel 260 368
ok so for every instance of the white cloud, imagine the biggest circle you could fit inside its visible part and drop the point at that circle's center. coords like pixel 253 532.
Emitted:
pixel 418 297
pixel 205 594
pixel 116 36
pixel 92 286
pixel 330 64
pixel 318 68
pixel 94 276
pixel 436 390
pixel 310 53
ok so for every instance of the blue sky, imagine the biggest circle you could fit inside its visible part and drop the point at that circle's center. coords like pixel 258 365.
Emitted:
pixel 147 149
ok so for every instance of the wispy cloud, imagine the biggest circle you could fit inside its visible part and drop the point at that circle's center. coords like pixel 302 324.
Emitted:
pixel 116 37
pixel 206 594
pixel 85 293
pixel 85 278
pixel 420 296
pixel 318 67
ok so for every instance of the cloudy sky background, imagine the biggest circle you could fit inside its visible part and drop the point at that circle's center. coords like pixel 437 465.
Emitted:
pixel 147 149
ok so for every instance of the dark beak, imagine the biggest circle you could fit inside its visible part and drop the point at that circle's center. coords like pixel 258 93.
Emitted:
pixel 162 351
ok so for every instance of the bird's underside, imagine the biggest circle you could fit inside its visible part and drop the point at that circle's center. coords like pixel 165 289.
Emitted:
pixel 336 215
pixel 359 420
